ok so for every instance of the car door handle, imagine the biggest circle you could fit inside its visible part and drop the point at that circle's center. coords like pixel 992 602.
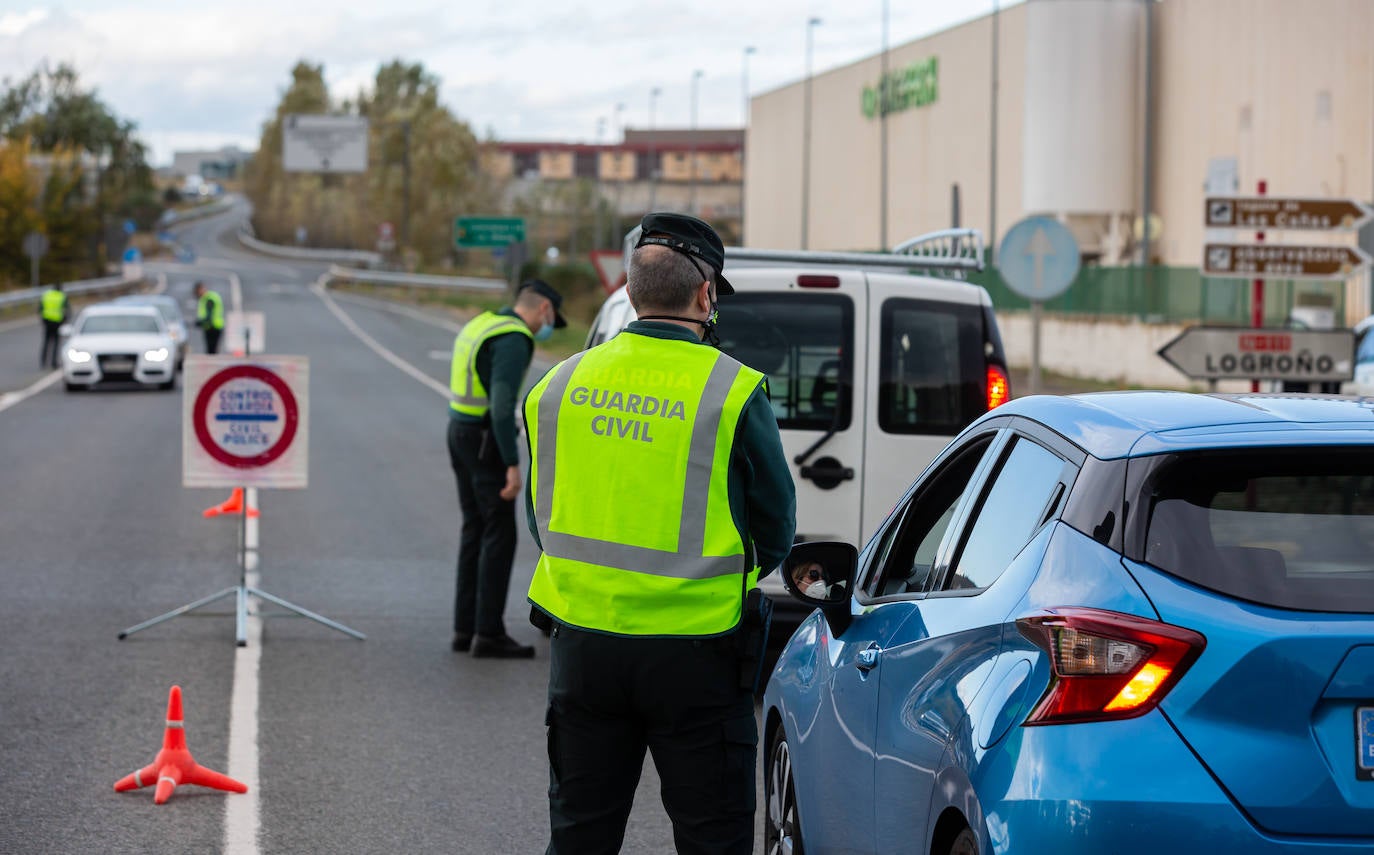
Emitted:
pixel 867 660
pixel 832 472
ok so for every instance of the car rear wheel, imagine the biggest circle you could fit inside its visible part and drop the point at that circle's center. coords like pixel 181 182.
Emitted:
pixel 782 831
pixel 964 844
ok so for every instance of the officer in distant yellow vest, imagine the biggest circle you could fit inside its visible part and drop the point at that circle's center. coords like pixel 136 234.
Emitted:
pixel 490 357
pixel 658 492
pixel 209 315
pixel 52 308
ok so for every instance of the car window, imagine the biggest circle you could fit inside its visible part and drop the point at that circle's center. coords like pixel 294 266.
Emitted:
pixel 1366 351
pixel 907 552
pixel 932 367
pixel 120 324
pixel 805 344
pixel 1021 497
pixel 1284 527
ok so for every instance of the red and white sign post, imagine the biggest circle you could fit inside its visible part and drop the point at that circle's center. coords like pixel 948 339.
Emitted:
pixel 245 424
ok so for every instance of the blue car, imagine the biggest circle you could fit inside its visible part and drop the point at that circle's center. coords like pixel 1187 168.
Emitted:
pixel 1111 623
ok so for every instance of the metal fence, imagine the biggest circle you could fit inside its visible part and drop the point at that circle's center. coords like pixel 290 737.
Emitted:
pixel 1159 294
pixel 416 280
pixel 27 296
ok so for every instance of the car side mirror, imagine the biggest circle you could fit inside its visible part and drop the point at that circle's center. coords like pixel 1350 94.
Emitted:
pixel 65 331
pixel 821 575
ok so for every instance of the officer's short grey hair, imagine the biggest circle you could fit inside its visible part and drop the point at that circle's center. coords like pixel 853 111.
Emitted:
pixel 661 280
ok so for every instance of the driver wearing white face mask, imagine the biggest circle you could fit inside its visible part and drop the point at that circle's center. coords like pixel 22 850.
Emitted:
pixel 810 581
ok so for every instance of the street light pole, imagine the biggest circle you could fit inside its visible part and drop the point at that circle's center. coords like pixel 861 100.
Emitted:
pixel 653 149
pixel 882 125
pixel 811 25
pixel 692 150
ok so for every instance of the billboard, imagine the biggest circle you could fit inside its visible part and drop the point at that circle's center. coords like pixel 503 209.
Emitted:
pixel 332 144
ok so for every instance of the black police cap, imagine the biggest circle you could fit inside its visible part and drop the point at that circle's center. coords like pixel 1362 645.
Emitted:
pixel 544 289
pixel 692 237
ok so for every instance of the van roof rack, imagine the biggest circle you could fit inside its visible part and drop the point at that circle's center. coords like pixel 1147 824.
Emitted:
pixel 956 251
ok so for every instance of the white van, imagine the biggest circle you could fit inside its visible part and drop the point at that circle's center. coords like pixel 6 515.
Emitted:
pixel 872 369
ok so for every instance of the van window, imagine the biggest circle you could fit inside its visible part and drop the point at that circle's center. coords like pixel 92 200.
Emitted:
pixel 804 343
pixel 932 367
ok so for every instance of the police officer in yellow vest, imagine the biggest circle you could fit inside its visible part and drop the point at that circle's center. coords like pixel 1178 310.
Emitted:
pixel 52 308
pixel 209 315
pixel 490 357
pixel 658 492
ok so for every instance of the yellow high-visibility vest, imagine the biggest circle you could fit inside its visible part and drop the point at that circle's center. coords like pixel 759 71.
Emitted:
pixel 468 395
pixel 630 448
pixel 54 305
pixel 210 310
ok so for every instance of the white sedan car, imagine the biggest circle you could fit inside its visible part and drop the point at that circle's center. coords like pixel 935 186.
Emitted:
pixel 119 343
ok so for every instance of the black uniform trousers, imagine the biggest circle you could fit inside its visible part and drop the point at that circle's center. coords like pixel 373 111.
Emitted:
pixel 212 339
pixel 48 358
pixel 610 698
pixel 487 547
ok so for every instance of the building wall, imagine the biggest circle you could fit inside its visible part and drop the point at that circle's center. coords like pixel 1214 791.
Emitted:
pixel 1286 88
pixel 930 147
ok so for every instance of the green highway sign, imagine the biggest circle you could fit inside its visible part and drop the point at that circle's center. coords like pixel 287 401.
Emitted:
pixel 470 232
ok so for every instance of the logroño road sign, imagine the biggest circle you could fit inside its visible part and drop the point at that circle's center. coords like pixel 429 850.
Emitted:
pixel 1265 212
pixel 1235 353
pixel 472 232
pixel 1282 261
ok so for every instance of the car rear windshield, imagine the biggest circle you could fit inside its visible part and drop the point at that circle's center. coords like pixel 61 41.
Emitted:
pixel 120 324
pixel 933 368
pixel 1286 528
pixel 804 343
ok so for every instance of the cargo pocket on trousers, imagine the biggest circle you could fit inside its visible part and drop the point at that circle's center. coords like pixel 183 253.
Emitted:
pixel 741 752
pixel 551 722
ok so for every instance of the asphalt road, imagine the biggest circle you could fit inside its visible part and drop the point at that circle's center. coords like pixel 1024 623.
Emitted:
pixel 389 744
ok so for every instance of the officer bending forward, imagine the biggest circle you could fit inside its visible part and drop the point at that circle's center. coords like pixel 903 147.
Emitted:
pixel 658 491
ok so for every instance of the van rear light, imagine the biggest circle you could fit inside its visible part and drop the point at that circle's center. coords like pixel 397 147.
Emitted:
pixel 812 280
pixel 1107 665
pixel 999 387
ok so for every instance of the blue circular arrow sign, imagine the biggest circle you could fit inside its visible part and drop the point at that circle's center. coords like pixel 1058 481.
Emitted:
pixel 1038 258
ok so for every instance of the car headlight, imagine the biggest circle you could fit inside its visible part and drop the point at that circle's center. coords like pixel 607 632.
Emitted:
pixel 159 355
pixel 78 356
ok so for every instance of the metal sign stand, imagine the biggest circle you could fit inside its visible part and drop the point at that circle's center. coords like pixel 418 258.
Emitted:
pixel 242 590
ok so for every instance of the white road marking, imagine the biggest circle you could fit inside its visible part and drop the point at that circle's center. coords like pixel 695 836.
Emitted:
pixel 381 351
pixel 278 269
pixel 161 284
pixel 241 815
pixel 386 306
pixel 440 355
pixel 235 292
pixel 9 399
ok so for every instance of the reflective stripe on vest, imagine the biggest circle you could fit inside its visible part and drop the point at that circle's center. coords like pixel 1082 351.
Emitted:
pixel 54 305
pixel 597 570
pixel 466 393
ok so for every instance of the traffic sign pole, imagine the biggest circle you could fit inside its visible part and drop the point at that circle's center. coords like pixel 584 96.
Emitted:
pixel 1257 289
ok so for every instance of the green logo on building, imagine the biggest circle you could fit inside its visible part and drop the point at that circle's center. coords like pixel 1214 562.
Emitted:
pixel 914 86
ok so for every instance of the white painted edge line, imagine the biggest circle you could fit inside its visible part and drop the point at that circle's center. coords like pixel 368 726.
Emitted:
pixel 9 399
pixel 161 283
pixel 241 811
pixel 409 312
pixel 368 340
pixel 250 530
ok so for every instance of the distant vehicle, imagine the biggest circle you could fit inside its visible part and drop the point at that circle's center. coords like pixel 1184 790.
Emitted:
pixel 112 342
pixel 170 309
pixel 1127 622
pixel 871 369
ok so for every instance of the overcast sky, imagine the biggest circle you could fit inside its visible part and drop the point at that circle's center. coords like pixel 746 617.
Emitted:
pixel 203 75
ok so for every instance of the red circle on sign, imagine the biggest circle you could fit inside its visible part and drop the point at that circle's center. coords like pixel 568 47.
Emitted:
pixel 254 372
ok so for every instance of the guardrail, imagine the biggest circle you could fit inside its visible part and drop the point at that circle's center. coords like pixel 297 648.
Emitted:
pixel 176 218
pixel 356 256
pixel 72 289
pixel 415 280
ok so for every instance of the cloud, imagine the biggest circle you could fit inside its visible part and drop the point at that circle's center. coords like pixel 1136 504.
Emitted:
pixel 526 69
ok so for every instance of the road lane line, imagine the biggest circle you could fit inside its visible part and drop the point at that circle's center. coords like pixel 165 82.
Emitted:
pixel 250 530
pixel 235 292
pixel 161 284
pixel 381 351
pixel 241 814
pixel 9 399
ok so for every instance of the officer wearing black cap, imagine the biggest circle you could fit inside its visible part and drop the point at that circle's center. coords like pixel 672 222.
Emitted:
pixel 658 494
pixel 490 357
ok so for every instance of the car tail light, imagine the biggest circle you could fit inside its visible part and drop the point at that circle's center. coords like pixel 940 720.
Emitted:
pixel 999 387
pixel 812 280
pixel 1107 665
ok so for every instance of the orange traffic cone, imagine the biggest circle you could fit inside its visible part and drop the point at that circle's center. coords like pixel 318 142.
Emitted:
pixel 174 764
pixel 231 505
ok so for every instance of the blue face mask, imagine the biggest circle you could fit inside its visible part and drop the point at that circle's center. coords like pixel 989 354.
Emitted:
pixel 543 333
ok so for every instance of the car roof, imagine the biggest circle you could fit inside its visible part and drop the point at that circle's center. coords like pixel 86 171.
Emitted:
pixel 1118 424
pixel 122 309
pixel 148 299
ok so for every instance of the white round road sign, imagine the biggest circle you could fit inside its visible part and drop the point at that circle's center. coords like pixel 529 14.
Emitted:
pixel 244 422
